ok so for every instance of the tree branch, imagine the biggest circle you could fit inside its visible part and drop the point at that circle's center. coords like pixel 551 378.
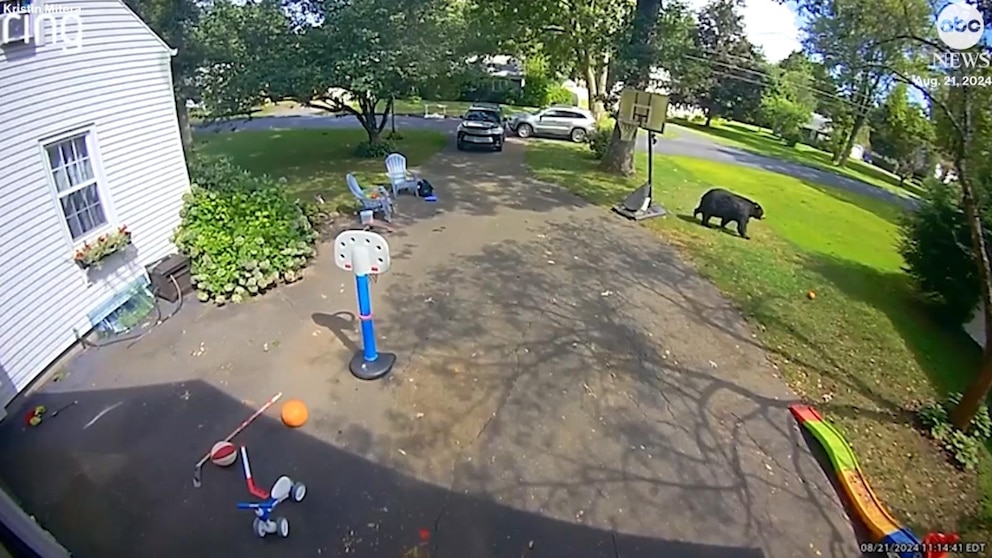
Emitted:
pixel 933 100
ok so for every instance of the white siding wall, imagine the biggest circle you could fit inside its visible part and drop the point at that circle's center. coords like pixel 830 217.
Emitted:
pixel 118 85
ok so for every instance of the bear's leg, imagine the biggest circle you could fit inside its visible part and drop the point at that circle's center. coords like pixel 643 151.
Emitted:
pixel 724 221
pixel 706 219
pixel 742 228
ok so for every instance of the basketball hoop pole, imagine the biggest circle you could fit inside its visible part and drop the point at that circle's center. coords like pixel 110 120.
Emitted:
pixel 637 108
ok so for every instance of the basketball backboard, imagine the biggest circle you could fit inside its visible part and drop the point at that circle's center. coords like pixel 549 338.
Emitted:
pixel 648 110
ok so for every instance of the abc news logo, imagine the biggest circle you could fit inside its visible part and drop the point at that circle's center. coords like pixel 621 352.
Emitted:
pixel 960 25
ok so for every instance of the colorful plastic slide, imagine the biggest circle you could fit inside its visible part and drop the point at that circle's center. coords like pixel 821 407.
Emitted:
pixel 883 527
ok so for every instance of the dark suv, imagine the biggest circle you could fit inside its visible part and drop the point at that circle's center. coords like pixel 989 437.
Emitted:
pixel 482 126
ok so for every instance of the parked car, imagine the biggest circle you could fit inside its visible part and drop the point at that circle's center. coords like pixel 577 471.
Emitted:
pixel 559 121
pixel 483 125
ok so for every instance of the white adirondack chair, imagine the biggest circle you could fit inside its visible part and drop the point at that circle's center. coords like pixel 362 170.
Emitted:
pixel 381 203
pixel 400 178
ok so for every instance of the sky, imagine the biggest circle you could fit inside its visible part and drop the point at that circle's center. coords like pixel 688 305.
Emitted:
pixel 772 26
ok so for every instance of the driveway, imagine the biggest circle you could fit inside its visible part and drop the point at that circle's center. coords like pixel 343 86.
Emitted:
pixel 566 387
pixel 684 142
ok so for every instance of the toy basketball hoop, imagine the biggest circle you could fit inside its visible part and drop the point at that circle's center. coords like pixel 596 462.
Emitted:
pixel 641 109
pixel 365 254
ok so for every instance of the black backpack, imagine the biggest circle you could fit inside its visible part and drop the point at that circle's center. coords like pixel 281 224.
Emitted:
pixel 424 189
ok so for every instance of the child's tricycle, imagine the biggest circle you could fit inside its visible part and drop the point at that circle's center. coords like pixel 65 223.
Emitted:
pixel 264 523
pixel 283 489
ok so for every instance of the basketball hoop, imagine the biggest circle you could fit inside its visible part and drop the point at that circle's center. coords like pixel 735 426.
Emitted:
pixel 628 130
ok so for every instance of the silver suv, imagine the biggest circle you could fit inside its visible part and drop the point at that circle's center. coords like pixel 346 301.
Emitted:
pixel 559 121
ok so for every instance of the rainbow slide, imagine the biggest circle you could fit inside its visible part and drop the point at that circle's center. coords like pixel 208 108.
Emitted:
pixel 882 526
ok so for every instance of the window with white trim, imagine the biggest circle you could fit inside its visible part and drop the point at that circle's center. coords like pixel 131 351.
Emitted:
pixel 71 165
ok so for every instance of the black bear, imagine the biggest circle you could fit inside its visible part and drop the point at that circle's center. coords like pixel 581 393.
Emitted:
pixel 729 207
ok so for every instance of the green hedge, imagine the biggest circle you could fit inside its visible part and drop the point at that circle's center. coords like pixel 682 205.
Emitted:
pixel 243 233
pixel 936 244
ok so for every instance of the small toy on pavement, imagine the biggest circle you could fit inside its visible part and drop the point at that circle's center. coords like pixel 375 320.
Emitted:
pixel 223 454
pixel 39 413
pixel 294 413
pixel 198 468
pixel 264 524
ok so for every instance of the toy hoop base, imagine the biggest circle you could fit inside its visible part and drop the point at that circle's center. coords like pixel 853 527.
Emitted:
pixel 365 370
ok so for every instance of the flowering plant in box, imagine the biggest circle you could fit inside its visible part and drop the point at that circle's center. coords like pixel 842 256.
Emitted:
pixel 90 254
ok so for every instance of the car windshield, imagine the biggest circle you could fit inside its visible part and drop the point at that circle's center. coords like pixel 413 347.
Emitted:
pixel 482 116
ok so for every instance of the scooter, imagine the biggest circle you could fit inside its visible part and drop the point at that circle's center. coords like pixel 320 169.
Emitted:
pixel 283 489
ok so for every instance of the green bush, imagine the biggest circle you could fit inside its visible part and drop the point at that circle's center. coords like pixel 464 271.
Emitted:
pixel 936 245
pixel 962 447
pixel 376 150
pixel 243 233
pixel 599 139
pixel 560 95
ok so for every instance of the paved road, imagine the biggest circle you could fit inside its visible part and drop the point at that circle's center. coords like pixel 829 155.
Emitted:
pixel 566 387
pixel 686 143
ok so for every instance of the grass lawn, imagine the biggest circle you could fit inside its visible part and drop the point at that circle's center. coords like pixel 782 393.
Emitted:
pixel 861 351
pixel 316 161
pixel 761 141
pixel 402 107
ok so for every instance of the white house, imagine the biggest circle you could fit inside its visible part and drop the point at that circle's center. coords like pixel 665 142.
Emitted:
pixel 89 142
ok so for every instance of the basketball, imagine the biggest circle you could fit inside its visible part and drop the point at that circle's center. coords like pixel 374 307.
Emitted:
pixel 223 454
pixel 294 413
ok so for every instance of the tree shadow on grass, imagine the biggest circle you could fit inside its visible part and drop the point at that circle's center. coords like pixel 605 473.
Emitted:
pixel 948 358
pixel 111 476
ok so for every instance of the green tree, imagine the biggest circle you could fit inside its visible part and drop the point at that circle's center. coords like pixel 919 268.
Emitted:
pixel 858 41
pixel 175 21
pixel 727 59
pixel 637 56
pixel 902 132
pixel 243 46
pixel 580 36
pixel 789 100
pixel 354 59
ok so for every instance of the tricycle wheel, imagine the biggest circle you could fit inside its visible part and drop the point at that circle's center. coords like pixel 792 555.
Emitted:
pixel 299 491
pixel 259 527
pixel 283 525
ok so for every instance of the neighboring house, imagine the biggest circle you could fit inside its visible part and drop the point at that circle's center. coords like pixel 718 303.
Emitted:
pixel 90 142
pixel 818 128
pixel 506 72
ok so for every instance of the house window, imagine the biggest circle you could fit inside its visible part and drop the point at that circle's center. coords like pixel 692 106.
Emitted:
pixel 75 182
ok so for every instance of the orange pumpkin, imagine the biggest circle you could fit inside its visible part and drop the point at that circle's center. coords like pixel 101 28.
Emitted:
pixel 294 413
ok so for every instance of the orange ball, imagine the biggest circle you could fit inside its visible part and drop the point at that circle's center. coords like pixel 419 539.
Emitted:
pixel 294 413
pixel 811 295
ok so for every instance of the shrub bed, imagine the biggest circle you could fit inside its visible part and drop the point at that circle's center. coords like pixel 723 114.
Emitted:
pixel 243 233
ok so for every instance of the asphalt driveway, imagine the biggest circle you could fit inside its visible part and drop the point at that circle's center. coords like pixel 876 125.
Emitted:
pixel 566 387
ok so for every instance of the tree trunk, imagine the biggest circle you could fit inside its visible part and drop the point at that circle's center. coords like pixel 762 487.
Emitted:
pixel 185 130
pixel 840 159
pixel 619 157
pixel 640 54
pixel 709 117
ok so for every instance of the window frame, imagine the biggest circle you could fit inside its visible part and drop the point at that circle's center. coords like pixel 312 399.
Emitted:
pixel 91 138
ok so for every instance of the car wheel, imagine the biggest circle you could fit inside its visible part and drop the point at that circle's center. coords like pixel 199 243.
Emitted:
pixel 499 147
pixel 578 135
pixel 460 146
pixel 524 130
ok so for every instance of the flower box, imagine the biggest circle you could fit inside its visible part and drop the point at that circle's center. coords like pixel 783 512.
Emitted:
pixel 92 253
